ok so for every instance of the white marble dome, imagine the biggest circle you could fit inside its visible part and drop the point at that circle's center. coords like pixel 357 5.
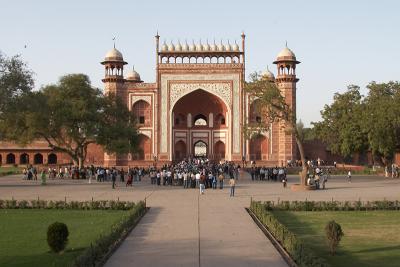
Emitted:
pixel 221 47
pixel 267 74
pixel 171 47
pixel 206 47
pixel 164 47
pixel 235 47
pixel 133 76
pixel 213 47
pixel 185 47
pixel 199 47
pixel 114 54
pixel 178 47
pixel 286 53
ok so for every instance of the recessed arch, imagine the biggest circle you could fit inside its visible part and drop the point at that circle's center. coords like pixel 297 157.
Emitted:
pixel 200 149
pixel 24 158
pixel 180 150
pixel 219 150
pixel 38 159
pixel 10 158
pixel 142 112
pixel 52 158
pixel 144 148
pixel 200 120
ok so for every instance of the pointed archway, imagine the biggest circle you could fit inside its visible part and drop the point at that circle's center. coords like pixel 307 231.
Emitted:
pixel 180 151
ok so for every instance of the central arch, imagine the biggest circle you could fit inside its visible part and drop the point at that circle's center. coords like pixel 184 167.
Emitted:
pixel 200 149
pixel 205 116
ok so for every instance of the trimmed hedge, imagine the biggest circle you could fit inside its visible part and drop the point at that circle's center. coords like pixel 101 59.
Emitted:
pixel 101 249
pixel 332 205
pixel 73 205
pixel 302 255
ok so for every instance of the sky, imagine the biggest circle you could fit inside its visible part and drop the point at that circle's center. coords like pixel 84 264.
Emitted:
pixel 338 42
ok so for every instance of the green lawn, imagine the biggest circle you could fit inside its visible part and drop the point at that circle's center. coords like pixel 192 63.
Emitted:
pixel 370 238
pixel 23 234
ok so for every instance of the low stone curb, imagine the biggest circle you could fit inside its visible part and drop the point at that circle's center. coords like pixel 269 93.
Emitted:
pixel 285 255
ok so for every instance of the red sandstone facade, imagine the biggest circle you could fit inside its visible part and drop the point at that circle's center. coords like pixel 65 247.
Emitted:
pixel 197 106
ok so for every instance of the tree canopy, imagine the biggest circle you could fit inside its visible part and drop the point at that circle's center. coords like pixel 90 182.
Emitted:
pixel 70 115
pixel 354 123
pixel 273 107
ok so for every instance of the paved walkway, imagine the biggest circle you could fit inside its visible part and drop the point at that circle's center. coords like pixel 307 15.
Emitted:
pixel 190 230
pixel 185 229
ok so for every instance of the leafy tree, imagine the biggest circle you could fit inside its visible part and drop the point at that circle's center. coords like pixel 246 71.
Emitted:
pixel 15 80
pixel 70 116
pixel 341 126
pixel 273 108
pixel 382 119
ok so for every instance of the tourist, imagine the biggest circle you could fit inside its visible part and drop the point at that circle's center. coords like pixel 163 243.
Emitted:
pixel 113 177
pixel 349 176
pixel 221 180
pixel 232 184
pixel 43 177
pixel 198 176
pixel 202 183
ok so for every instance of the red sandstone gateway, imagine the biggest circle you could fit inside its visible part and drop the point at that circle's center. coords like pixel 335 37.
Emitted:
pixel 196 107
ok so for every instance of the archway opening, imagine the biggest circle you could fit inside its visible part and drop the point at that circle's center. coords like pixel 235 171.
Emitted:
pixel 200 120
pixel 142 112
pixel 259 148
pixel 200 149
pixel 10 158
pixel 219 150
pixel 38 159
pixel 52 158
pixel 144 148
pixel 24 159
pixel 180 150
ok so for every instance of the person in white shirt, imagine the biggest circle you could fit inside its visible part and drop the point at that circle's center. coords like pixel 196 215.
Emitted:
pixel 197 179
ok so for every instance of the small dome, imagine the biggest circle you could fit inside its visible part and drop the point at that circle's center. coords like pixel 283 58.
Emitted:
pixel 213 47
pixel 206 47
pixel 199 47
pixel 171 47
pixel 185 47
pixel 228 47
pixel 221 47
pixel 164 47
pixel 235 47
pixel 178 47
pixel 114 54
pixel 192 47
pixel 286 53
pixel 268 75
pixel 133 76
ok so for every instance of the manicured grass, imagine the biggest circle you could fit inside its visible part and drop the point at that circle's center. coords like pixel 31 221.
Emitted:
pixel 370 238
pixel 23 234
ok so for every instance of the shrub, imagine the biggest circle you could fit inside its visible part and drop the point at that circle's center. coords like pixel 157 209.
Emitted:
pixel 57 236
pixel 334 234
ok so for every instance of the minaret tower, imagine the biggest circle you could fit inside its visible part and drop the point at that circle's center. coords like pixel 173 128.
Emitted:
pixel 114 71
pixel 113 83
pixel 286 81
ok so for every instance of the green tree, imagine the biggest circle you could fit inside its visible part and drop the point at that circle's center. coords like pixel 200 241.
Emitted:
pixel 273 108
pixel 15 81
pixel 70 116
pixel 382 119
pixel 341 127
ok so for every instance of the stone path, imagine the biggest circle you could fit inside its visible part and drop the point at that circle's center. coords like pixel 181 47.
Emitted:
pixel 185 229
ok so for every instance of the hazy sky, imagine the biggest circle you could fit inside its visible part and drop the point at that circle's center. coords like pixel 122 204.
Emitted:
pixel 338 42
